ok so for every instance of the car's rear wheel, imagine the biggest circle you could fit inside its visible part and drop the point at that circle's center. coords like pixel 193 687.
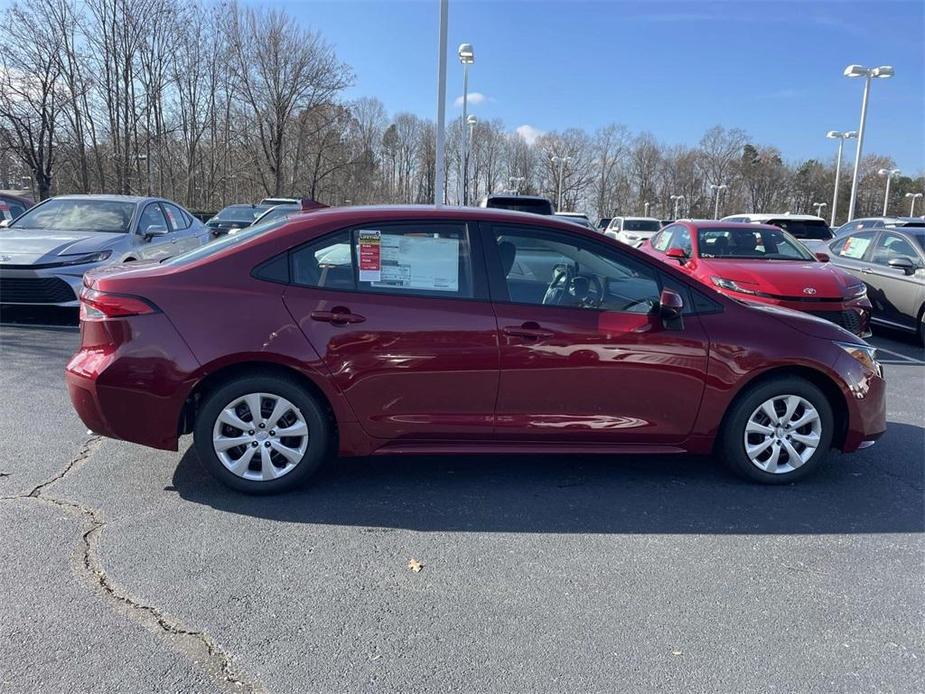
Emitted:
pixel 262 434
pixel 779 432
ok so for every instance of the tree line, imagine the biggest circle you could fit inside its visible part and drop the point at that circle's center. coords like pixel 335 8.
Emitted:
pixel 212 103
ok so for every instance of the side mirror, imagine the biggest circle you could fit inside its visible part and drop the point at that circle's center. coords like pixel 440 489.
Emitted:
pixel 4 223
pixel 154 230
pixel 904 263
pixel 822 257
pixel 677 254
pixel 670 306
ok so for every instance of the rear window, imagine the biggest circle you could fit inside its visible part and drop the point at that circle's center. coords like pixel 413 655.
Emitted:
pixel 641 225
pixel 518 204
pixel 814 229
pixel 222 242
pixel 241 214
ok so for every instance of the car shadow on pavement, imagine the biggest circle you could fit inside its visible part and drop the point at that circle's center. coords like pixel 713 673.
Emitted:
pixel 879 490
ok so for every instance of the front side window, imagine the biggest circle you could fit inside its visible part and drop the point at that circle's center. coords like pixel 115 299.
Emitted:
pixel 152 217
pixel 892 246
pixel 661 240
pixel 854 246
pixel 681 239
pixel 550 269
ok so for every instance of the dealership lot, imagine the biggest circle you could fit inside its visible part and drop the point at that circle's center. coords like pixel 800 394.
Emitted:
pixel 134 569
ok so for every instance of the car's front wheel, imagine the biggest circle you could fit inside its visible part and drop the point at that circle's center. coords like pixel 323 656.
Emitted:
pixel 262 434
pixel 780 431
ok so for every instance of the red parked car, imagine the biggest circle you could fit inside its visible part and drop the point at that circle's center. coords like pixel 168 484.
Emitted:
pixel 763 263
pixel 403 330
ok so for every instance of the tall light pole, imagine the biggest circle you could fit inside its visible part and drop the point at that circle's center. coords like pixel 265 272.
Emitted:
pixel 646 207
pixel 440 144
pixel 841 137
pixel 515 182
pixel 466 57
pixel 717 188
pixel 889 173
pixel 913 197
pixel 818 207
pixel 676 199
pixel 556 159
pixel 882 72
pixel 471 122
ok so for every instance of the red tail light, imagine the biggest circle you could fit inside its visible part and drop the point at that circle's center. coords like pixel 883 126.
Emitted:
pixel 96 305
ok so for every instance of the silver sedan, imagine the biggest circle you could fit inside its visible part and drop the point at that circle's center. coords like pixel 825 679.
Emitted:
pixel 45 252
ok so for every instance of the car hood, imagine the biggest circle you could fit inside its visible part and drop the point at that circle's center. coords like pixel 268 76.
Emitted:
pixel 37 246
pixel 805 323
pixel 787 278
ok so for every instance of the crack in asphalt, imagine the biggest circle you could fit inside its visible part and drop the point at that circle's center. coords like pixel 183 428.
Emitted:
pixel 196 645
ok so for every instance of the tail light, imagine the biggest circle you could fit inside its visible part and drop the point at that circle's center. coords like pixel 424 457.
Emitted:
pixel 96 305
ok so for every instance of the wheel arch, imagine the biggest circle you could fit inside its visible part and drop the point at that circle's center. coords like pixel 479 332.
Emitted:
pixel 820 379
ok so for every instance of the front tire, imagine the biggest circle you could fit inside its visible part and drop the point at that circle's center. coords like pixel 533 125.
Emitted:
pixel 262 434
pixel 779 432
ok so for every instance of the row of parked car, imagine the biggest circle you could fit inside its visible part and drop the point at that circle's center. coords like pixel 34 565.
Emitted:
pixel 867 271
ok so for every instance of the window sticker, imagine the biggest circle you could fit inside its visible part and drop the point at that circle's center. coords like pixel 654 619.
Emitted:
pixel 369 244
pixel 855 247
pixel 419 262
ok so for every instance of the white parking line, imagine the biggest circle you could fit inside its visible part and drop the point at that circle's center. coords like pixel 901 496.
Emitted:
pixel 901 356
pixel 42 326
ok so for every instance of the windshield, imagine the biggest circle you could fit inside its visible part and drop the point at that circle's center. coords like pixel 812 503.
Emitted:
pixel 241 214
pixel 814 229
pixel 221 243
pixel 641 225
pixel 746 243
pixel 110 216
pixel 519 204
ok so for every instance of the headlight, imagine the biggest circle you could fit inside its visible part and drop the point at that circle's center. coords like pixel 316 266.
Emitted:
pixel 732 285
pixel 865 354
pixel 856 291
pixel 91 258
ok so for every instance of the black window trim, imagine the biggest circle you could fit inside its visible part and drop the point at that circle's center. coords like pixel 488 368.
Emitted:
pixel 498 286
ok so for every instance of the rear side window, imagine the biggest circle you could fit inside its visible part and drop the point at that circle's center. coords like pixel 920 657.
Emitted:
pixel 178 220
pixel 421 259
pixel 854 246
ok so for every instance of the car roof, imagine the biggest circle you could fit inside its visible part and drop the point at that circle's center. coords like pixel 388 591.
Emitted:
pixel 109 198
pixel 648 219
pixel 570 214
pixel 721 224
pixel 516 195
pixel 763 217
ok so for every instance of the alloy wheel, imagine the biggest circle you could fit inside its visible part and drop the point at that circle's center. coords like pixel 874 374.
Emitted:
pixel 782 434
pixel 260 436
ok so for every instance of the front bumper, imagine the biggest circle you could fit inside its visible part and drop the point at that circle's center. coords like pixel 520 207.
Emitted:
pixel 852 314
pixel 53 286
pixel 865 394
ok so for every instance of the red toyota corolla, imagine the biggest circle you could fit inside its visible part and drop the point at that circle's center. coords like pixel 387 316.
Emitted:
pixel 394 330
pixel 763 263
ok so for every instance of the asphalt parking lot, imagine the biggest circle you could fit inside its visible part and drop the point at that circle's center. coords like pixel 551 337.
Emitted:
pixel 124 568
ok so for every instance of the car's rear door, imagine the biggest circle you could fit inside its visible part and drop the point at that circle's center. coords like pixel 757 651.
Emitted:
pixel 399 313
pixel 576 369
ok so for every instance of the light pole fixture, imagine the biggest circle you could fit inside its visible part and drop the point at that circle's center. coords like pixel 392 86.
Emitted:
pixel 841 137
pixel 646 209
pixel 466 57
pixel 868 73
pixel 676 199
pixel 913 197
pixel 440 140
pixel 561 161
pixel 889 173
pixel 818 207
pixel 471 121
pixel 515 182
pixel 717 188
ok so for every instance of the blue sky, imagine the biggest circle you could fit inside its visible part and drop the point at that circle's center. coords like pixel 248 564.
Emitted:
pixel 671 68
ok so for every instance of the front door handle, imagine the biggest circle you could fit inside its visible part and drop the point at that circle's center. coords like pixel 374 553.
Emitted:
pixel 337 316
pixel 866 270
pixel 529 330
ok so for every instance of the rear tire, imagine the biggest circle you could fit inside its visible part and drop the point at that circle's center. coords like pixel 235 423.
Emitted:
pixel 270 452
pixel 782 448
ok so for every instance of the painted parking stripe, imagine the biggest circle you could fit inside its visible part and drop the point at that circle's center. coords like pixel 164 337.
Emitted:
pixel 901 356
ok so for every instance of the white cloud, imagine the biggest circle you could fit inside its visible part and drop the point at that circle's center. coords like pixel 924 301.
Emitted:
pixel 475 98
pixel 529 133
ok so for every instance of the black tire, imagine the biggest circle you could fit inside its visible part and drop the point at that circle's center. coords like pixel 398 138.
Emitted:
pixel 319 427
pixel 732 437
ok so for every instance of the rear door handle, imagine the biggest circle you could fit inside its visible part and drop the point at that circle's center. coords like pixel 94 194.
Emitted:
pixel 337 316
pixel 529 330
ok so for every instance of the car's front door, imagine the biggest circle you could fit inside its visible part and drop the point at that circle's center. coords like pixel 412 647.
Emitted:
pixel 584 354
pixel 154 234
pixel 399 314
pixel 897 293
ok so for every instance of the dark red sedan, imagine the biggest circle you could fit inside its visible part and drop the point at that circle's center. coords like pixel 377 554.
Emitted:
pixel 765 264
pixel 392 330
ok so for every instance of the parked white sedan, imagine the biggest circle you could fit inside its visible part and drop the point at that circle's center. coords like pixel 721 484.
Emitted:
pixel 633 231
